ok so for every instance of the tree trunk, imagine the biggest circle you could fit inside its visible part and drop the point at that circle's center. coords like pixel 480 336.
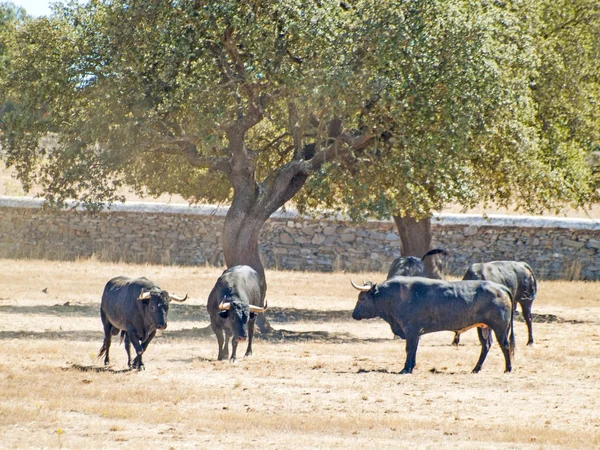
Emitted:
pixel 240 246
pixel 415 237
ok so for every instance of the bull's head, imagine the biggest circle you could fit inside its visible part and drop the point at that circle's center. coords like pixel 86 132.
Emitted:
pixel 365 306
pixel 239 313
pixel 156 306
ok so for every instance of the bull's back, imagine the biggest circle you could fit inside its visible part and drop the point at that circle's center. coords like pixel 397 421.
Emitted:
pixel 241 282
pixel 502 272
pixel 435 305
pixel 119 297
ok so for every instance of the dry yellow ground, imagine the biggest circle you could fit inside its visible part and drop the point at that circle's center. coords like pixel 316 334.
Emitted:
pixel 325 382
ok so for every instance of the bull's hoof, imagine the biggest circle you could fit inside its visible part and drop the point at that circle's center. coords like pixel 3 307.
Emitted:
pixel 531 343
pixel 508 370
pixel 476 369
pixel 248 353
pixel 233 360
pixel 405 371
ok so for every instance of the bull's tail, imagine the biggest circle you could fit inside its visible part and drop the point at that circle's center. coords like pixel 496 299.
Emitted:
pixel 511 342
pixel 102 351
pixel 122 337
pixel 435 251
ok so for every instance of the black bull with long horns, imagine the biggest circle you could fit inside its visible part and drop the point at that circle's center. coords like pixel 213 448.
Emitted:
pixel 137 308
pixel 415 306
pixel 233 304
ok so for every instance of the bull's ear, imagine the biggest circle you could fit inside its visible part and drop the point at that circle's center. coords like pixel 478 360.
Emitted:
pixel 224 314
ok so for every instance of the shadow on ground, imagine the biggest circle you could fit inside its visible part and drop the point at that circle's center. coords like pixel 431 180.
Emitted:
pixel 197 313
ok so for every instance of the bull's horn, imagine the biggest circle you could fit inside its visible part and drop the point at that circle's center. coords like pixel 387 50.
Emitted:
pixel 258 309
pixel 144 295
pixel 364 288
pixel 225 306
pixel 178 298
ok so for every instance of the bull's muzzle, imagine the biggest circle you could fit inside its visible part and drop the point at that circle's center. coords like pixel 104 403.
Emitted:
pixel 242 338
pixel 162 326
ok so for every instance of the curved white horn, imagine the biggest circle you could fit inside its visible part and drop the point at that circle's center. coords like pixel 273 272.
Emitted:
pixel 224 306
pixel 258 309
pixel 178 298
pixel 366 286
pixel 144 295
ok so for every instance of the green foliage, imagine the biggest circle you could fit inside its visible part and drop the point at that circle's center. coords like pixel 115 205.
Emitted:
pixel 460 103
pixel 470 101
pixel 139 89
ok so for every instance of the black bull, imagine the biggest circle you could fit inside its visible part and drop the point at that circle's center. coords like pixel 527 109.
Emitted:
pixel 232 305
pixel 417 306
pixel 137 308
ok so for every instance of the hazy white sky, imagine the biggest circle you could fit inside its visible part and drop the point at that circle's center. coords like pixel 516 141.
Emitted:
pixel 34 8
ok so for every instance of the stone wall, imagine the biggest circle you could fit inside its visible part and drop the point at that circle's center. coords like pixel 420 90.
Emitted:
pixel 178 234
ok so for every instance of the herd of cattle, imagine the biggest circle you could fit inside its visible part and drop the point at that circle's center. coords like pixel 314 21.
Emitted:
pixel 408 301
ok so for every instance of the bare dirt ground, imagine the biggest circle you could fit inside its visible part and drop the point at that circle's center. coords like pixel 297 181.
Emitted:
pixel 322 381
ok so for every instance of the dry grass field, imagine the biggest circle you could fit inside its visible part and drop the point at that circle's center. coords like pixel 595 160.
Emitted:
pixel 321 381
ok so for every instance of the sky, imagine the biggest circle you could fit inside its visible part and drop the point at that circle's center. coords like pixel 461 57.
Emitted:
pixel 35 8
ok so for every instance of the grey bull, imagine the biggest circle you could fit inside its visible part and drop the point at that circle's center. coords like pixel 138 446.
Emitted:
pixel 414 306
pixel 232 305
pixel 518 277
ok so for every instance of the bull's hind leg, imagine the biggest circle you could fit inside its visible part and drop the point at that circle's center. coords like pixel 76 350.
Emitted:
pixel 485 338
pixel 108 332
pixel 526 307
pixel 502 338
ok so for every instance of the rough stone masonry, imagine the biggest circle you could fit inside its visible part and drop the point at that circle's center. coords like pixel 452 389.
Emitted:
pixel 557 248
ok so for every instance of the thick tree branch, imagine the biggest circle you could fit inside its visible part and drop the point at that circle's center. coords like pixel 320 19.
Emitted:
pixel 183 147
pixel 343 144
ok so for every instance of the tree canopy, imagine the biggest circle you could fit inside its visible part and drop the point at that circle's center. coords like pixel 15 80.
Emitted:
pixel 496 106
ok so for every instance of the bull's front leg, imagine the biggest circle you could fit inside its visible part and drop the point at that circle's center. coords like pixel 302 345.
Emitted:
pixel 250 334
pixel 137 362
pixel 234 345
pixel 223 352
pixel 412 343
pixel 139 349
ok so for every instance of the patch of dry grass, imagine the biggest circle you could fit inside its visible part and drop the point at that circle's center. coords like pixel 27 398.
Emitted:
pixel 340 389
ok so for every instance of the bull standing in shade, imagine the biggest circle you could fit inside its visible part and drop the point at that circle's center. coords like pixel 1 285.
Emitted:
pixel 233 304
pixel 137 308
pixel 417 306
pixel 411 266
pixel 518 277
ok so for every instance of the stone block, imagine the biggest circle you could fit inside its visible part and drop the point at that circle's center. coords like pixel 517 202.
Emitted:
pixel 285 238
pixel 348 237
pixel 593 243
pixel 329 230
